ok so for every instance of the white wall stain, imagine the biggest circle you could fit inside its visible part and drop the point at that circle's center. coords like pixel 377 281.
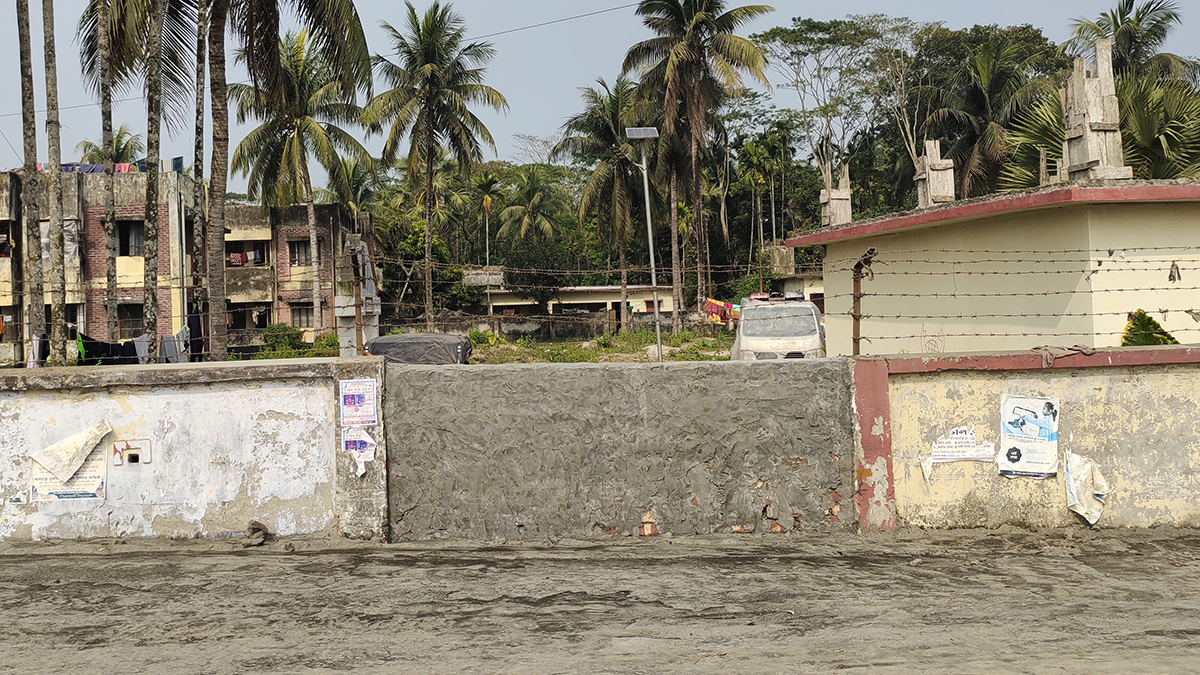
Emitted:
pixel 221 454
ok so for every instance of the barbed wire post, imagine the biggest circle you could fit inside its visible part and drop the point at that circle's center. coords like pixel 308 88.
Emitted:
pixel 863 266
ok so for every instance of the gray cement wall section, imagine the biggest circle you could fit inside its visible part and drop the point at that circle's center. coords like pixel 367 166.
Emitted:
pixel 587 450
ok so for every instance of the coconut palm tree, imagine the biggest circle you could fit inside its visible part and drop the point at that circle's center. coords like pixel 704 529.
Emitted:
pixel 597 136
pixel 357 187
pixel 1138 31
pixel 305 122
pixel 984 98
pixel 58 283
pixel 695 54
pixel 435 79
pixel 254 24
pixel 32 262
pixel 533 204
pixel 126 148
pixel 487 193
pixel 147 42
pixel 1160 132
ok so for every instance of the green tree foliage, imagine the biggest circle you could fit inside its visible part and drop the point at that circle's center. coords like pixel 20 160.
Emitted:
pixel 533 205
pixel 436 78
pixel 1138 31
pixel 309 120
pixel 1160 132
pixel 1143 330
pixel 127 147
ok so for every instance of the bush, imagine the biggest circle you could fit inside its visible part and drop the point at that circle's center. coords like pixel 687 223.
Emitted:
pixel 327 345
pixel 1142 330
pixel 282 341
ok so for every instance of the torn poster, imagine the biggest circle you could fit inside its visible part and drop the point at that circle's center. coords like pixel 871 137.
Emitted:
pixel 358 403
pixel 88 481
pixel 65 457
pixel 1028 437
pixel 1086 487
pixel 957 446
pixel 360 445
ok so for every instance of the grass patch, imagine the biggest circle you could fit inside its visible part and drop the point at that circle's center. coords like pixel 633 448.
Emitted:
pixel 631 346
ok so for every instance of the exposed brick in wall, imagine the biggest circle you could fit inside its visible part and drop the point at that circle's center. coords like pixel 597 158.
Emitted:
pixel 95 268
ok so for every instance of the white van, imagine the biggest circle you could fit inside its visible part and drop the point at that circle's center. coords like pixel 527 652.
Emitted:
pixel 778 329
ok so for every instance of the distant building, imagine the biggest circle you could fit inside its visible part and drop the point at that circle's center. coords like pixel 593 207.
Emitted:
pixel 582 299
pixel 268 262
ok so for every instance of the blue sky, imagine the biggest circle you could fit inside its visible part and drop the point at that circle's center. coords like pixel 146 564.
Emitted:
pixel 539 70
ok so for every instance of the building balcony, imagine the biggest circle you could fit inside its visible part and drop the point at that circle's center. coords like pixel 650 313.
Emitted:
pixel 250 284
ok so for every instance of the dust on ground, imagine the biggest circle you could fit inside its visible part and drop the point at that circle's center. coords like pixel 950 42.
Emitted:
pixel 1006 601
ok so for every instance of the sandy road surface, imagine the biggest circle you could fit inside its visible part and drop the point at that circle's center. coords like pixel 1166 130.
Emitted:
pixel 1000 602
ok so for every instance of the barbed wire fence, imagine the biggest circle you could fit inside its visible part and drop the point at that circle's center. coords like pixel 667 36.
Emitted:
pixel 904 300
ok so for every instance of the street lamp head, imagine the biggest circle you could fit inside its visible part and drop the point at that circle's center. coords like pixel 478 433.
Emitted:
pixel 639 133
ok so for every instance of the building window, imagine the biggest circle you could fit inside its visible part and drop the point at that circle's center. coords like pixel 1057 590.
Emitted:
pixel 72 320
pixel 130 237
pixel 300 252
pixel 130 321
pixel 246 253
pixel 302 317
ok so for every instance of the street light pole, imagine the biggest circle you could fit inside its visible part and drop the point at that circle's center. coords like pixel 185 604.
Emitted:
pixel 645 133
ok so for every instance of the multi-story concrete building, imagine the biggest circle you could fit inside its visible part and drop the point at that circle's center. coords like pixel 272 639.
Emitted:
pixel 268 264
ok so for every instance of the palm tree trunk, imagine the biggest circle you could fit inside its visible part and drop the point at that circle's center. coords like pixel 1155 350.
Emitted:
pixel 153 149
pixel 758 195
pixel 430 147
pixel 314 245
pixel 624 283
pixel 106 135
pixel 58 282
pixel 676 277
pixel 774 231
pixel 697 125
pixel 198 193
pixel 218 328
pixel 35 307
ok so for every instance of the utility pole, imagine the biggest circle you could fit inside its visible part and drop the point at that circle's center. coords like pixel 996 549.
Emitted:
pixel 646 133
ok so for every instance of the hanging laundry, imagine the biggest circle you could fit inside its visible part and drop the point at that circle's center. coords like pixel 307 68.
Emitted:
pixel 169 349
pixel 141 344
pixel 121 168
pixel 195 338
pixel 237 259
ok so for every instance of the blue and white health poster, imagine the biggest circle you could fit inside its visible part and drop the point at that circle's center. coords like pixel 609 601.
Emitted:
pixel 1028 437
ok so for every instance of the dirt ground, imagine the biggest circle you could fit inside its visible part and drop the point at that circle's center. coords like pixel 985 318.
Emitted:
pixel 1005 601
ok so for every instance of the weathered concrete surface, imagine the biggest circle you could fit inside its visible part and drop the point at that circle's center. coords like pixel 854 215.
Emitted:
pixel 584 450
pixel 1141 425
pixel 1112 602
pixel 228 443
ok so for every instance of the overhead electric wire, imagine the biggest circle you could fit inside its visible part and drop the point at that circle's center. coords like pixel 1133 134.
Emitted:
pixel 481 37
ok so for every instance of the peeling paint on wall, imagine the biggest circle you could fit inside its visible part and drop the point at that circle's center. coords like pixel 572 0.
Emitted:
pixel 1141 425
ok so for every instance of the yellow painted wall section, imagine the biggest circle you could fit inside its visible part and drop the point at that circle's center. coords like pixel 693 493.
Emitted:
pixel 1145 239
pixel 911 267
pixel 1141 425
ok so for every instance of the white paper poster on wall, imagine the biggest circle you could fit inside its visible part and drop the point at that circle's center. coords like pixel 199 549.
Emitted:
pixel 361 447
pixel 358 403
pixel 88 481
pixel 1028 437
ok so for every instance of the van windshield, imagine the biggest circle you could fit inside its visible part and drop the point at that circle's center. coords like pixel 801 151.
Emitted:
pixel 778 321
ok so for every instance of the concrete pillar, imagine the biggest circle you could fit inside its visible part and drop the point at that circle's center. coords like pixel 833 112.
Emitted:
pixel 835 204
pixel 1092 120
pixel 935 177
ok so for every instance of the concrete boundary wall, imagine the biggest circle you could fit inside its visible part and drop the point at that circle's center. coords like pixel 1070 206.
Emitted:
pixel 227 443
pixel 596 450
pixel 1134 411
